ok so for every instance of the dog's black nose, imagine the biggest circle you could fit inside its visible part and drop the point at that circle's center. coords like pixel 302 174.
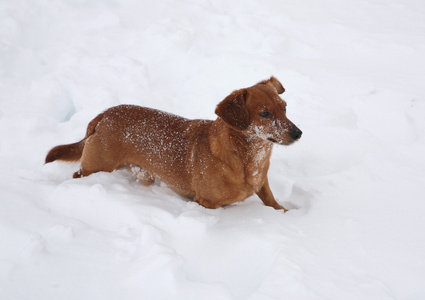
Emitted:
pixel 296 133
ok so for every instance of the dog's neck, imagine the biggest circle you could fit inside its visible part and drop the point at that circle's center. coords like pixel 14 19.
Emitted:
pixel 238 149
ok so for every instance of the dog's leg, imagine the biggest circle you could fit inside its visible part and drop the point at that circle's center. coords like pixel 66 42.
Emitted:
pixel 96 157
pixel 84 173
pixel 141 174
pixel 206 203
pixel 266 196
pixel 77 174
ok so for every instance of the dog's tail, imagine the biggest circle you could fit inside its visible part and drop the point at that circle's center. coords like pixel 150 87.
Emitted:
pixel 73 152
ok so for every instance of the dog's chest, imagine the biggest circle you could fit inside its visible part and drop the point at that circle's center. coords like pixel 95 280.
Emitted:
pixel 257 166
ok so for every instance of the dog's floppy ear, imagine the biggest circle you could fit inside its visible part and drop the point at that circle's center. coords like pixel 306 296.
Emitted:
pixel 274 83
pixel 233 111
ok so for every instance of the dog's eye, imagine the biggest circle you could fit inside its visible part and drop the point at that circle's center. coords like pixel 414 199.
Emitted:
pixel 284 109
pixel 265 114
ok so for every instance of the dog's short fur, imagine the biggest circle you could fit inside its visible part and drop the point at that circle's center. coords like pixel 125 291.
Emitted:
pixel 215 163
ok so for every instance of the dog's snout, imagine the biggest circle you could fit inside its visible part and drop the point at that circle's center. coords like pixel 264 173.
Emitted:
pixel 296 133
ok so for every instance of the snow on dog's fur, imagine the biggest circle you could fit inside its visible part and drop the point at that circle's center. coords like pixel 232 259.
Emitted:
pixel 215 163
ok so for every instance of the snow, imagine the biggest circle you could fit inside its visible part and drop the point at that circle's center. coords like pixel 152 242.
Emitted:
pixel 354 183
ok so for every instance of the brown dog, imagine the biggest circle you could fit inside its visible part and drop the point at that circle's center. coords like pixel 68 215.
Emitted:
pixel 215 163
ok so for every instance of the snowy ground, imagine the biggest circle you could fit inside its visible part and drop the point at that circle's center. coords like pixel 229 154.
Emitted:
pixel 354 72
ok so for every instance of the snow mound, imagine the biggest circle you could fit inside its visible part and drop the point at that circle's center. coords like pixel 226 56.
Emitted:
pixel 353 76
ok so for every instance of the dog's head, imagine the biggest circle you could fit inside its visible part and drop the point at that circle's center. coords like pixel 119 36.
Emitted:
pixel 260 113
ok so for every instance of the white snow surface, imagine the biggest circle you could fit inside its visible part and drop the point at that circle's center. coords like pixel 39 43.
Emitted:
pixel 354 74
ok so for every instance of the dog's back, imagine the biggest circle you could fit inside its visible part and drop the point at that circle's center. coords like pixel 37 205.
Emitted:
pixel 154 140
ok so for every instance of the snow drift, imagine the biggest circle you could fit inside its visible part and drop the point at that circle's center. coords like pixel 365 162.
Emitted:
pixel 354 183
